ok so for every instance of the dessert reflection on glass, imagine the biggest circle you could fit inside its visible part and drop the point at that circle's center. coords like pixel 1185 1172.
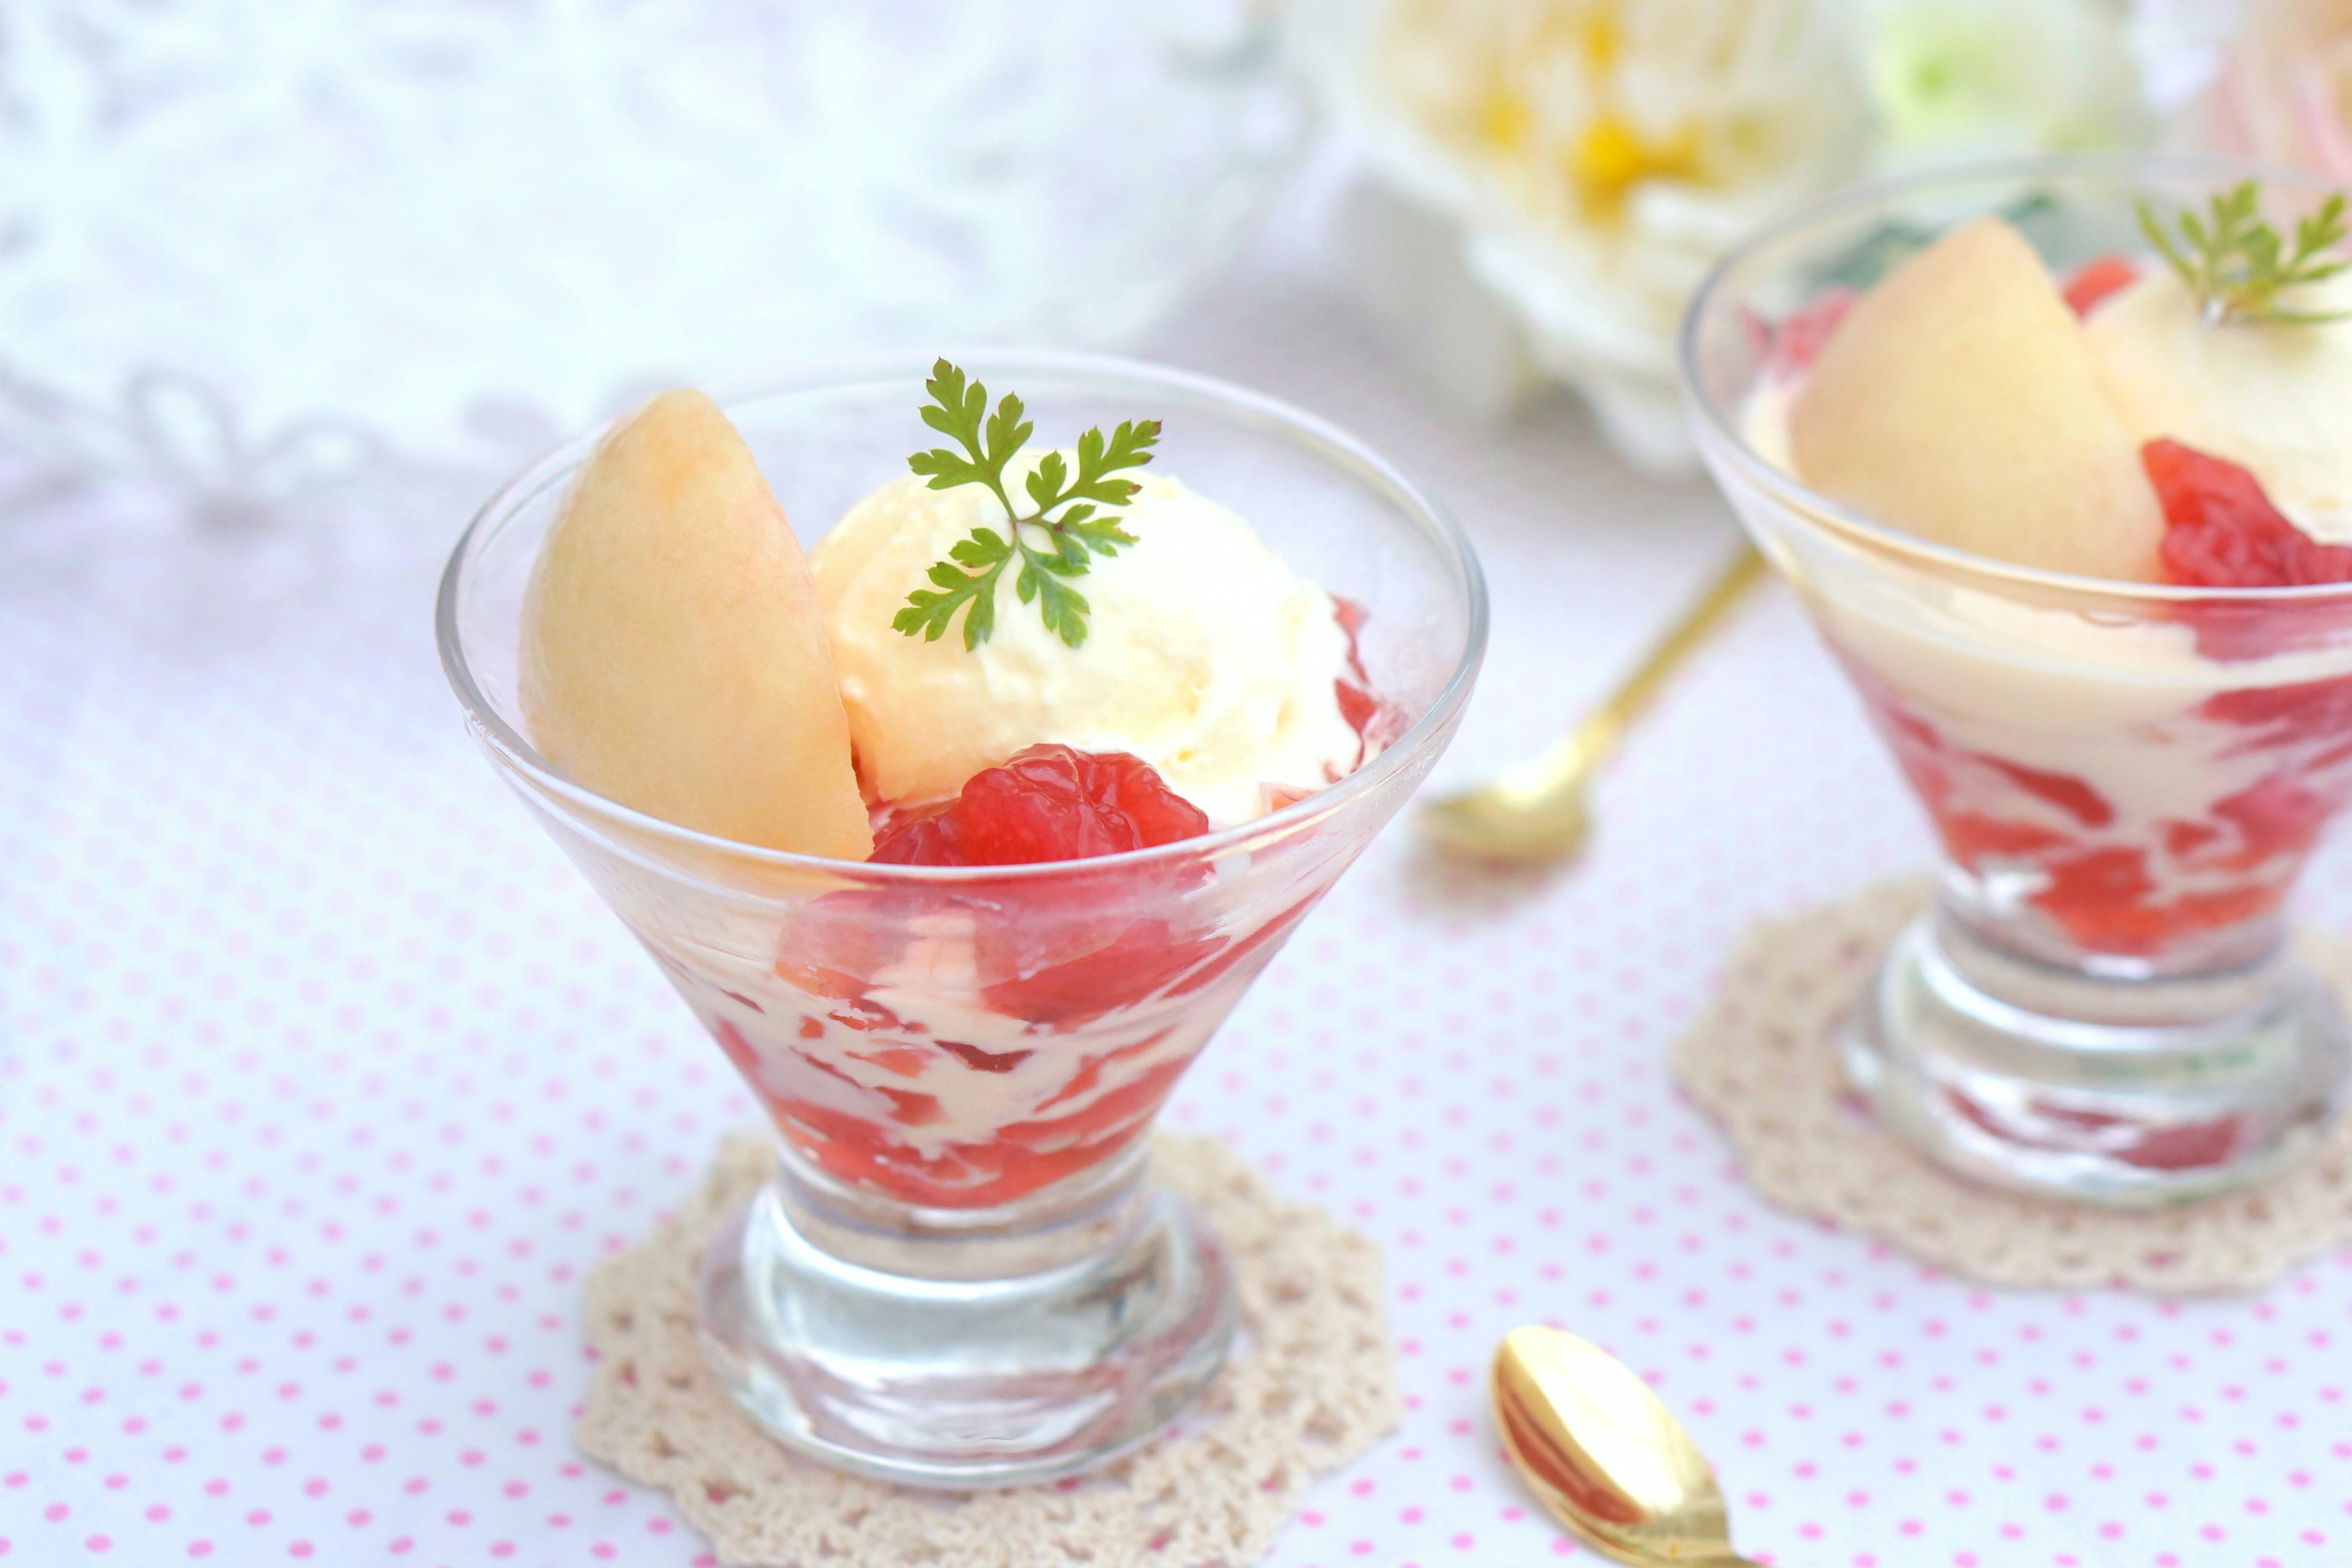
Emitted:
pixel 2058 457
pixel 961 833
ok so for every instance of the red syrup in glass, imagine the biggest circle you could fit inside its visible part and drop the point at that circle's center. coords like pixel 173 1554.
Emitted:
pixel 964 1043
pixel 2142 888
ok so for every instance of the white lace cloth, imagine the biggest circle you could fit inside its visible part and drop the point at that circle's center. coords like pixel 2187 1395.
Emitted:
pixel 438 217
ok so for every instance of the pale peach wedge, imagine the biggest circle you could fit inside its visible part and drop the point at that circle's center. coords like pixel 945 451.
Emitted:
pixel 1959 401
pixel 673 653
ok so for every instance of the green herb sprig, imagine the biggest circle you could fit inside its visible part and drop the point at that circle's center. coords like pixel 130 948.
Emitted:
pixel 2238 267
pixel 1051 549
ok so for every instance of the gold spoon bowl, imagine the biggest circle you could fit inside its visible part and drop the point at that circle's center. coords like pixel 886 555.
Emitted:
pixel 1605 1455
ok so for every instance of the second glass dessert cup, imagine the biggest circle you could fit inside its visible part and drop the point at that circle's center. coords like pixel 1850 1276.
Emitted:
pixel 2103 1003
pixel 961 1275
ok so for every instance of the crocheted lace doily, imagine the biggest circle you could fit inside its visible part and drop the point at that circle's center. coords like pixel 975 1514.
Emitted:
pixel 1313 1386
pixel 1763 1062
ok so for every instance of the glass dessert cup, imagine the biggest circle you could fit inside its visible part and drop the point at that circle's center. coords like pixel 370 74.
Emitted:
pixel 2127 778
pixel 961 1275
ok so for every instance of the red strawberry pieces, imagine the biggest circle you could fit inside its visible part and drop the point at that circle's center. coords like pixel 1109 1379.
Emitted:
pixel 1049 803
pixel 1800 336
pixel 2222 531
pixel 2095 279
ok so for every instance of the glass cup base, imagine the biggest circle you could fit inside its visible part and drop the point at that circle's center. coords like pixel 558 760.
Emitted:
pixel 2123 1092
pixel 964 1349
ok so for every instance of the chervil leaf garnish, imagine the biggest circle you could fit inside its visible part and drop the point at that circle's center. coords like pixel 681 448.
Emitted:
pixel 1050 548
pixel 2236 264
pixel 929 613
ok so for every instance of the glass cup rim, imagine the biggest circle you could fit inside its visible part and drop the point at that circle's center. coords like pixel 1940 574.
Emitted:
pixel 1718 427
pixel 1330 441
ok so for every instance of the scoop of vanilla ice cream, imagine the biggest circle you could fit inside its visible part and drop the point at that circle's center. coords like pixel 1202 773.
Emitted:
pixel 2274 399
pixel 1205 655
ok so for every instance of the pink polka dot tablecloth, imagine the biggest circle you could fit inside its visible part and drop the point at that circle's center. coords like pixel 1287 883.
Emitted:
pixel 323 1079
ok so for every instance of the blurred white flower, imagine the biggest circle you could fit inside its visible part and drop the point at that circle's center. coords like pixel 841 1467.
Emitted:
pixel 1592 158
pixel 1981 77
pixel 1596 156
pixel 2285 88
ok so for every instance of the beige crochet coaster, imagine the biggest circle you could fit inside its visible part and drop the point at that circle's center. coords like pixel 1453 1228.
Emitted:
pixel 1763 1063
pixel 1314 1387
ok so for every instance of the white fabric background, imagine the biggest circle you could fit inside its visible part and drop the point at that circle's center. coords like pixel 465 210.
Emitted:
pixel 323 1077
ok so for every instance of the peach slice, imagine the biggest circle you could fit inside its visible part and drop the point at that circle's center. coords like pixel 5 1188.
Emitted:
pixel 673 652
pixel 1959 401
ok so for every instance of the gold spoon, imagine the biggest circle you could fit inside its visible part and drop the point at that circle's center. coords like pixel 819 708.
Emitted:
pixel 1534 811
pixel 1606 1455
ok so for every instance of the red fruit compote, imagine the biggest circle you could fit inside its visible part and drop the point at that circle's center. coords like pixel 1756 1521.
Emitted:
pixel 963 1041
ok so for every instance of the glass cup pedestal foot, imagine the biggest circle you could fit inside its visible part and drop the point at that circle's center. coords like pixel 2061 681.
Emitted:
pixel 962 1347
pixel 2126 1092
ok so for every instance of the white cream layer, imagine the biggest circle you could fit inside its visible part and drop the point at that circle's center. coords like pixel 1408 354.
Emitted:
pixel 1206 655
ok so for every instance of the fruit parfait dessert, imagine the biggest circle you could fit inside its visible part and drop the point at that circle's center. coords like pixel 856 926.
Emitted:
pixel 2059 457
pixel 961 832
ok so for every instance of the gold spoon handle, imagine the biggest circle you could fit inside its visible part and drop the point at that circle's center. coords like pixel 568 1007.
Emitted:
pixel 1705 614
pixel 1576 753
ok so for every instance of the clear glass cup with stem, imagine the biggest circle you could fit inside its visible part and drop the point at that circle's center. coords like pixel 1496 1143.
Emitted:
pixel 2126 778
pixel 961 1275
